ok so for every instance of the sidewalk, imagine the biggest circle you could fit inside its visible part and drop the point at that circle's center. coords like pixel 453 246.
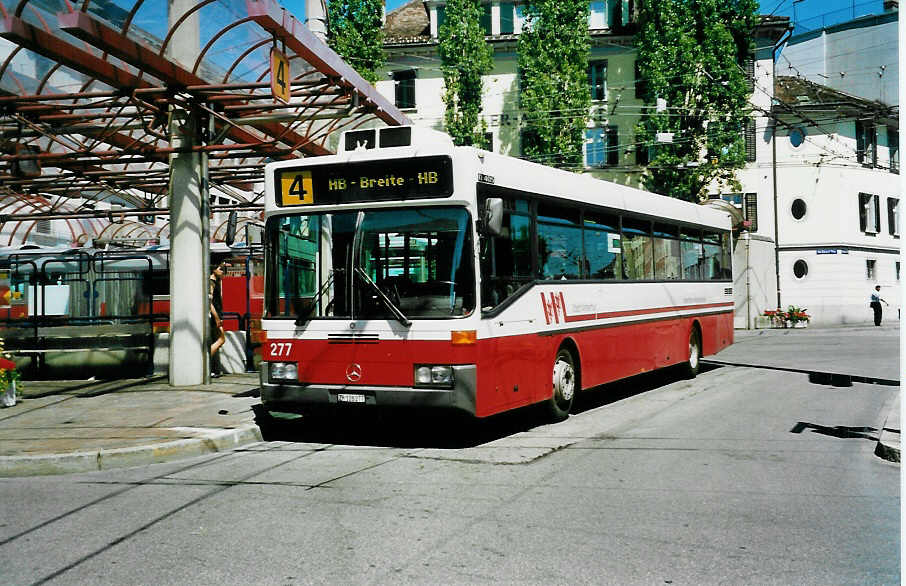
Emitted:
pixel 61 427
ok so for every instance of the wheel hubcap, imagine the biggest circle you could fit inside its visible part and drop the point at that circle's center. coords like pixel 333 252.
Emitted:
pixel 693 353
pixel 564 381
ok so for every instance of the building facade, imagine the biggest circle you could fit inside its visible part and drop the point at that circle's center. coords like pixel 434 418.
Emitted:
pixel 826 172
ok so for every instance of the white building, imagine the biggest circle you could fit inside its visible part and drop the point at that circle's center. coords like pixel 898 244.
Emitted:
pixel 824 173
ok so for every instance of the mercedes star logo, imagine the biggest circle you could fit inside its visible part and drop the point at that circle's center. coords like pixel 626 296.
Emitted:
pixel 354 372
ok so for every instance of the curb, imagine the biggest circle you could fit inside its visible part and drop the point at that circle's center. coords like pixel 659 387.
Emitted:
pixel 93 461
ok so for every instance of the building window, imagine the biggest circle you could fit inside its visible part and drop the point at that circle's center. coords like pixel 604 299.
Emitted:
pixel 748 204
pixel 893 216
pixel 597 80
pixel 644 152
pixel 798 208
pixel 800 268
pixel 404 93
pixel 42 226
pixel 869 220
pixel 488 142
pixel 507 18
pixel 897 269
pixel 602 148
pixel 641 84
pixel 870 269
pixel 893 147
pixel 597 15
pixel 866 143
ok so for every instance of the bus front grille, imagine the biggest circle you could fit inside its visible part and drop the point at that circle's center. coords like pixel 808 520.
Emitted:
pixel 356 338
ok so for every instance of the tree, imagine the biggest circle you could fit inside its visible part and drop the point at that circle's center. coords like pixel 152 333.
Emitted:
pixel 354 31
pixel 465 57
pixel 691 55
pixel 553 72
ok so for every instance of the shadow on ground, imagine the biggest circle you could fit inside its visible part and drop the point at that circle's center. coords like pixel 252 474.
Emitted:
pixel 360 426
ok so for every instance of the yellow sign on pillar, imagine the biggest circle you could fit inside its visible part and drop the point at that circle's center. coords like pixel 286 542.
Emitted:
pixel 280 78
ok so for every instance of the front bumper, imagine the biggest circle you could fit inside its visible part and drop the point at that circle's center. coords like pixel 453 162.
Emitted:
pixel 297 396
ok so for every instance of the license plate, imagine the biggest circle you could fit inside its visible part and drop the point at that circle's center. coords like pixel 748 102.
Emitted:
pixel 347 398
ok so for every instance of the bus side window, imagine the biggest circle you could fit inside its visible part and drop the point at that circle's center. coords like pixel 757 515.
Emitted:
pixel 507 259
pixel 691 250
pixel 603 255
pixel 559 243
pixel 638 253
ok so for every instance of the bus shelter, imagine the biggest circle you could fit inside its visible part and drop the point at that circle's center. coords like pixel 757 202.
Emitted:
pixel 142 108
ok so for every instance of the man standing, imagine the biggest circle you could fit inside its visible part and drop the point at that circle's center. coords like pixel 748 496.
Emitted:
pixel 876 304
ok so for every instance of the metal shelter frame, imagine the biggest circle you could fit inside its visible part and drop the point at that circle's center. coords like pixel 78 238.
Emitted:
pixel 87 88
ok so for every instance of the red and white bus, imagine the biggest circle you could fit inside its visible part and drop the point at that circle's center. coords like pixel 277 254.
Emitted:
pixel 404 271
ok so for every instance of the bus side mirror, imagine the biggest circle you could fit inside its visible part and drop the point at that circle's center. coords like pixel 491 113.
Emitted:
pixel 231 229
pixel 493 216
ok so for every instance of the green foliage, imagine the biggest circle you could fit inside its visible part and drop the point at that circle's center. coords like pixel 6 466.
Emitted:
pixel 465 58
pixel 354 32
pixel 553 69
pixel 691 54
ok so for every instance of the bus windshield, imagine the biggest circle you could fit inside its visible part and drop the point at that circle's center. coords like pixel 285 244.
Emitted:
pixel 396 264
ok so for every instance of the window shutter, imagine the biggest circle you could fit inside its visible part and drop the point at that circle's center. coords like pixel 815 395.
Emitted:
pixel 751 211
pixel 751 140
pixel 749 65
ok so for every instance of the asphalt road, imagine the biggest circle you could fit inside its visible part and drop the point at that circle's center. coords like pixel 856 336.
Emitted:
pixel 742 476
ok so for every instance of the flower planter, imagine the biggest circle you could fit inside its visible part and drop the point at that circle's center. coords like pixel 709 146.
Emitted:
pixel 8 398
pixel 800 324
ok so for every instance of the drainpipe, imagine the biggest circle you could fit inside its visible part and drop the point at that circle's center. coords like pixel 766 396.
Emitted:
pixel 748 286
pixel 783 39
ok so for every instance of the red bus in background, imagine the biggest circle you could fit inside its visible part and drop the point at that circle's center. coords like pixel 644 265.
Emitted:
pixel 92 310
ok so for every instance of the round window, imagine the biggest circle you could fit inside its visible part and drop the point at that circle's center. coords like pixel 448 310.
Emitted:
pixel 800 268
pixel 797 137
pixel 798 209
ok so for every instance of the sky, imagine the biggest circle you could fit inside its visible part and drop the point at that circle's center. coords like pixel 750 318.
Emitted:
pixel 808 14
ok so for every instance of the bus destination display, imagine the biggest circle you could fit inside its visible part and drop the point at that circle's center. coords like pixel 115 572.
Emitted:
pixel 417 178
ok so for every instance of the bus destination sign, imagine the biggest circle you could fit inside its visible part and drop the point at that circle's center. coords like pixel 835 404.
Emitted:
pixel 415 178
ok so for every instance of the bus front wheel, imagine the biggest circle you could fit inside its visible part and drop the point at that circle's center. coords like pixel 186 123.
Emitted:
pixel 564 385
pixel 692 366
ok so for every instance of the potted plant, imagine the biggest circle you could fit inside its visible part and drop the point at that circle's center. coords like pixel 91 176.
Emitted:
pixel 798 316
pixel 9 379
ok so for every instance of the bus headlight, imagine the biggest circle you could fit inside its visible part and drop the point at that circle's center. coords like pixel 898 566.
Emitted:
pixel 433 375
pixel 283 370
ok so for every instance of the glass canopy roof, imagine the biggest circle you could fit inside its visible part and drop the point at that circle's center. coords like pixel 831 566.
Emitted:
pixel 87 86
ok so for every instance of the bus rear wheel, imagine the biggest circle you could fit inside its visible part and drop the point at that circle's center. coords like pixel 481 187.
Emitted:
pixel 692 366
pixel 564 385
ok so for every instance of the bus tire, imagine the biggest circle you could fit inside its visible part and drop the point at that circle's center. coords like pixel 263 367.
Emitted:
pixel 564 379
pixel 693 363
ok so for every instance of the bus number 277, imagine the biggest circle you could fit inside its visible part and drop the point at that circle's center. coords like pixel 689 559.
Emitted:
pixel 279 349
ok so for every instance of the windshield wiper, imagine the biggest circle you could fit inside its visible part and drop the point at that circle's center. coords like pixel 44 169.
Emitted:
pixel 301 320
pixel 400 317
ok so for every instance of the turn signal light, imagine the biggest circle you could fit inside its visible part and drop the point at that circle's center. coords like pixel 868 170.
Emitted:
pixel 463 337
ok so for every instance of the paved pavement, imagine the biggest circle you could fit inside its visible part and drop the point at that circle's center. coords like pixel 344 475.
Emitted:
pixel 61 427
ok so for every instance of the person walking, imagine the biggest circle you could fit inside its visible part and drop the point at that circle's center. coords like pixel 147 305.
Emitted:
pixel 218 335
pixel 876 304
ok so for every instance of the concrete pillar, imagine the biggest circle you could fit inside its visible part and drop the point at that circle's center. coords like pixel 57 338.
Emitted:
pixel 189 223
pixel 189 253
